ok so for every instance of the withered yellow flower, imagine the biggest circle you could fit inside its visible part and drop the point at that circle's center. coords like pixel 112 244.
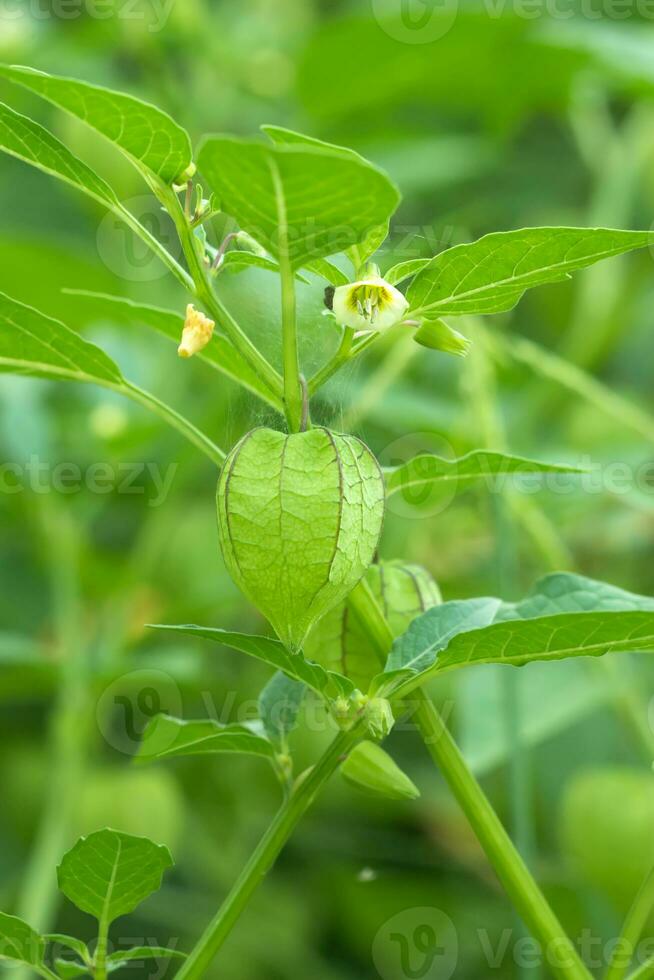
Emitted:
pixel 197 332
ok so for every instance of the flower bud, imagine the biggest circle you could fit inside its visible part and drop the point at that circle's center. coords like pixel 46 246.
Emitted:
pixel 369 304
pixel 197 332
pixel 339 641
pixel 299 519
pixel 379 716
pixel 372 770
pixel 438 335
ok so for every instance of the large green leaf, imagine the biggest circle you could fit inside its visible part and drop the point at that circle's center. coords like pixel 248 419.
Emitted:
pixel 33 343
pixel 427 470
pixel 19 942
pixel 166 737
pixel 219 353
pixel 27 140
pixel 491 274
pixel 272 652
pixel 144 133
pixel 564 616
pixel 375 235
pixel 108 874
pixel 279 706
pixel 264 188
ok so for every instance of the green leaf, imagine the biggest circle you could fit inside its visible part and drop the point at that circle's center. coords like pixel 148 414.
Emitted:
pixel 437 335
pixel 283 136
pixel 264 188
pixel 219 353
pixel 19 942
pixel 359 254
pixel 166 737
pixel 279 706
pixel 299 519
pixel 122 957
pixel 27 140
pixel 427 470
pixel 564 616
pixel 491 274
pixel 109 874
pixel 370 769
pixel 58 939
pixel 144 133
pixel 376 234
pixel 417 650
pixel 69 969
pixel 32 343
pixel 274 653
pixel 404 270
pixel 328 271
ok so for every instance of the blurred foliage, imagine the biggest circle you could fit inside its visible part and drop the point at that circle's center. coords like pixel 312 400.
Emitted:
pixel 506 119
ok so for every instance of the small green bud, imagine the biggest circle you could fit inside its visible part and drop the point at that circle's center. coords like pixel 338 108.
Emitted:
pixel 359 700
pixel 341 709
pixel 249 243
pixel 379 716
pixel 372 771
pixel 438 335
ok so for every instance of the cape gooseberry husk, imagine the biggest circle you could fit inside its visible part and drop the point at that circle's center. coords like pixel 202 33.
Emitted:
pixel 299 519
pixel 340 642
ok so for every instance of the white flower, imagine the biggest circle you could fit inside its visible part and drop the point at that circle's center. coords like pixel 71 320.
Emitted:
pixel 369 304
pixel 198 330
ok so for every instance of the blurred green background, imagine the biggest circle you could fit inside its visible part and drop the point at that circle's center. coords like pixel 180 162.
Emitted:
pixel 489 117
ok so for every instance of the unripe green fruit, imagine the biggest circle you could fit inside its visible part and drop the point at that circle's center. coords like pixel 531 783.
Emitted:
pixel 340 642
pixel 299 519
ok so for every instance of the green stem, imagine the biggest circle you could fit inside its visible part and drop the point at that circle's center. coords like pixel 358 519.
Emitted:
pixel 293 394
pixel 510 868
pixel 200 286
pixel 341 357
pixel 264 856
pixel 632 930
pixel 100 958
pixel 38 895
pixel 560 953
pixel 644 972
pixel 169 415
